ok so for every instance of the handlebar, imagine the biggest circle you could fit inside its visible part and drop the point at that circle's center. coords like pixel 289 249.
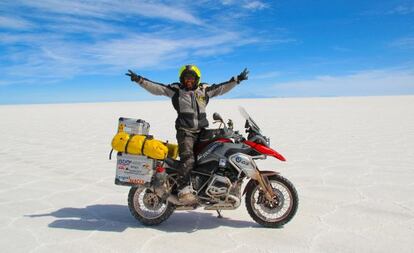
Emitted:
pixel 229 133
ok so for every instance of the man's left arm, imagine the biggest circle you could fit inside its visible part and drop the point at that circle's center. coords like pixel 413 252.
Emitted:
pixel 222 88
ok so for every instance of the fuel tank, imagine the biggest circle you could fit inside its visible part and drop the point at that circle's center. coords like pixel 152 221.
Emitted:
pixel 216 154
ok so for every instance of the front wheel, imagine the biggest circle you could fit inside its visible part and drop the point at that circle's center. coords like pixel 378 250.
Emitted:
pixel 272 213
pixel 147 207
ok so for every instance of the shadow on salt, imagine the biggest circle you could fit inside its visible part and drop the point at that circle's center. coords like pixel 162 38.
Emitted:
pixel 117 218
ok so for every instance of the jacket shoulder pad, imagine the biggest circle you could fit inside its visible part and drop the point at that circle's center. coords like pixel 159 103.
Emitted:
pixel 175 85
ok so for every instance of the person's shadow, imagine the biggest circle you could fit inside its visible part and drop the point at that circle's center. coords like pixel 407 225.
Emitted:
pixel 117 218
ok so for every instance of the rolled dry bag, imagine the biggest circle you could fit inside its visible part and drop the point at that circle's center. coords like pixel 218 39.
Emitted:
pixel 139 145
pixel 155 149
pixel 119 141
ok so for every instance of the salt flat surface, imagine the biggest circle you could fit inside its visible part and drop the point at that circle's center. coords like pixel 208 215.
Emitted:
pixel 351 160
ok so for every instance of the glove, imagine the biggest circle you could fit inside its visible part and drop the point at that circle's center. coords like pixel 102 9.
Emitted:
pixel 243 75
pixel 134 77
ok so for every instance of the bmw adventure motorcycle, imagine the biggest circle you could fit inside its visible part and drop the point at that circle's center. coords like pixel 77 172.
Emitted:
pixel 224 159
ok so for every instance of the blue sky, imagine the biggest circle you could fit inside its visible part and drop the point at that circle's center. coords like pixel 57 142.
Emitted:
pixel 78 51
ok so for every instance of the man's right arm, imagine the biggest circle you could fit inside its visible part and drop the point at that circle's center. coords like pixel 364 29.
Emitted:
pixel 152 87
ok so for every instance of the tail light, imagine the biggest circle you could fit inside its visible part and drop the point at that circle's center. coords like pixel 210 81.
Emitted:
pixel 160 169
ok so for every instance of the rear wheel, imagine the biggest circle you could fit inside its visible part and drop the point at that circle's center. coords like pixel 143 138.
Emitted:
pixel 273 213
pixel 147 207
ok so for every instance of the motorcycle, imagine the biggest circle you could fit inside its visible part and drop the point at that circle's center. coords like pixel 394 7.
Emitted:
pixel 224 160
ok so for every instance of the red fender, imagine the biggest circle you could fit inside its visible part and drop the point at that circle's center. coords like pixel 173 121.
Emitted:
pixel 262 149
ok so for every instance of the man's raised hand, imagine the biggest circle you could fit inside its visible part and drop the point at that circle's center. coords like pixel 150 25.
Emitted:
pixel 134 77
pixel 243 75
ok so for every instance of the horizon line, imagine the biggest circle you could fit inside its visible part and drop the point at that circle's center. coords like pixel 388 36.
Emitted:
pixel 231 98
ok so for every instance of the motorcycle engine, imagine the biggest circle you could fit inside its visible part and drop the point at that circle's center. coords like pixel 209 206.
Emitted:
pixel 198 181
pixel 230 173
pixel 218 187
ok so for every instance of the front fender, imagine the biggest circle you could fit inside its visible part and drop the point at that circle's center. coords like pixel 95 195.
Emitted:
pixel 252 183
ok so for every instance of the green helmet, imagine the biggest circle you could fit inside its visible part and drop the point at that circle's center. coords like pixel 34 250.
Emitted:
pixel 190 70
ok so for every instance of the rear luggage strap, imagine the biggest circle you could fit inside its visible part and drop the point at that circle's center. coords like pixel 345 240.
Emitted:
pixel 110 154
pixel 126 145
pixel 143 144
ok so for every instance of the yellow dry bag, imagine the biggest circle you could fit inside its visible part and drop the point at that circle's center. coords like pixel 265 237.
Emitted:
pixel 143 145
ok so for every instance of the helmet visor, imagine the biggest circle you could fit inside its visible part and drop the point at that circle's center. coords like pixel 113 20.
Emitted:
pixel 189 74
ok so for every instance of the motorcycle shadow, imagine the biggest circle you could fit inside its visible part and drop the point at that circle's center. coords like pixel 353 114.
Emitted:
pixel 117 218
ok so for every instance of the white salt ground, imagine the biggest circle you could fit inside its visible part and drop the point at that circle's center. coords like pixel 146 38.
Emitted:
pixel 351 160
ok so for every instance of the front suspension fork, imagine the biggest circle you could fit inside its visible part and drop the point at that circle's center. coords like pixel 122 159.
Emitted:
pixel 261 178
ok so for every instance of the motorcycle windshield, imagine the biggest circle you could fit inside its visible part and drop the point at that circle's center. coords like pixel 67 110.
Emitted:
pixel 249 119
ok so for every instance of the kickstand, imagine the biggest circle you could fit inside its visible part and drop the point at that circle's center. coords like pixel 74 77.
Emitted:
pixel 219 214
